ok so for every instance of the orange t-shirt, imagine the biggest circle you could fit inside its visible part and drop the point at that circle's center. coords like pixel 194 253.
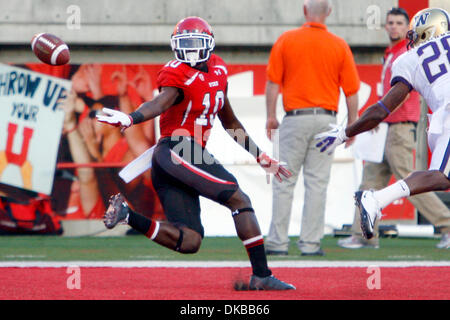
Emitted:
pixel 310 64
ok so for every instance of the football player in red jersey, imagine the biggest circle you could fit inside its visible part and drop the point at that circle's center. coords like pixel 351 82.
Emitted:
pixel 193 90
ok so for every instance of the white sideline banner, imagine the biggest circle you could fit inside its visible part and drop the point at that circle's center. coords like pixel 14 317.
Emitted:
pixel 30 127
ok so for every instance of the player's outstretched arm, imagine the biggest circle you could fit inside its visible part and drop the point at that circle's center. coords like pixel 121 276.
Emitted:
pixel 380 110
pixel 329 140
pixel 146 111
pixel 237 131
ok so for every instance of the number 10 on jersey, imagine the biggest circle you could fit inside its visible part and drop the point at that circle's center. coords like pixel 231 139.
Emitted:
pixel 208 114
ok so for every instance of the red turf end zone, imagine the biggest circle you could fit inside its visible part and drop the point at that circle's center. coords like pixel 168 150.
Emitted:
pixel 350 283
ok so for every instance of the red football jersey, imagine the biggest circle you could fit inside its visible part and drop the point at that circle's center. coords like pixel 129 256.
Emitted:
pixel 204 96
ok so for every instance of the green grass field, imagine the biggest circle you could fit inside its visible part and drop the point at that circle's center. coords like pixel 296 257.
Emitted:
pixel 50 248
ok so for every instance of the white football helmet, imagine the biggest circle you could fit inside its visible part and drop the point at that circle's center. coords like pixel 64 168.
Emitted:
pixel 426 24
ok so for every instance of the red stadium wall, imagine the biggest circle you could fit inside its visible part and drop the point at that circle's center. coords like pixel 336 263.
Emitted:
pixel 413 6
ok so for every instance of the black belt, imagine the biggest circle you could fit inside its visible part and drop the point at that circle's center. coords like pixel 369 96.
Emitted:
pixel 308 111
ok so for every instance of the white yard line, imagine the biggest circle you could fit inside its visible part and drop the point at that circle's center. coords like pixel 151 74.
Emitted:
pixel 220 264
pixel 24 256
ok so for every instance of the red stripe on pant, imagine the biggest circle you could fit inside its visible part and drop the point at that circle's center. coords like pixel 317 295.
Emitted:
pixel 198 171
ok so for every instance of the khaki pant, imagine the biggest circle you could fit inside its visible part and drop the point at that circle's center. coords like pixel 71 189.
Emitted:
pixel 297 148
pixel 399 161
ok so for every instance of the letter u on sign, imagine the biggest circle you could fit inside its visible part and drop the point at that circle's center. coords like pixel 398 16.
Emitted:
pixel 18 158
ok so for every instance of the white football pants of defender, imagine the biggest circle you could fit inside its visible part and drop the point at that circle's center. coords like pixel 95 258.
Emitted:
pixel 440 147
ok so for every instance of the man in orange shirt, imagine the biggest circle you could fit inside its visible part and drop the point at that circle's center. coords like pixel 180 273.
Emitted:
pixel 308 65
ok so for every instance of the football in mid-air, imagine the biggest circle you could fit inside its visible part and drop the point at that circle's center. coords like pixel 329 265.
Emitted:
pixel 50 49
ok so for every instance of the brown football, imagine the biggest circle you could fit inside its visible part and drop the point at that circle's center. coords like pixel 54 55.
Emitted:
pixel 50 49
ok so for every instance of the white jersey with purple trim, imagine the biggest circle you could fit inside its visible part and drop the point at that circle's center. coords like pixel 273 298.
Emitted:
pixel 427 70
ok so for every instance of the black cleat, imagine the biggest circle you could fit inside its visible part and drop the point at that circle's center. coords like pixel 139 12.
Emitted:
pixel 268 283
pixel 117 212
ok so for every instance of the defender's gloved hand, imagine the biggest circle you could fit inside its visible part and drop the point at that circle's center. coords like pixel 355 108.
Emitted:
pixel 329 140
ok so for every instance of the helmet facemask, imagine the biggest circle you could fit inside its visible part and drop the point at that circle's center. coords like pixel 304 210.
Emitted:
pixel 412 36
pixel 425 35
pixel 192 48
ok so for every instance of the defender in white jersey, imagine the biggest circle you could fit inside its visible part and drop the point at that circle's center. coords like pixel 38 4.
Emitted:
pixel 425 68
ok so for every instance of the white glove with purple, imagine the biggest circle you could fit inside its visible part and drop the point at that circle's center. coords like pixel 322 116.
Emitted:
pixel 115 118
pixel 329 140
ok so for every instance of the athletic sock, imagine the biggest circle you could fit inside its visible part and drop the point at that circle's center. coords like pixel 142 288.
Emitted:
pixel 144 225
pixel 391 193
pixel 257 255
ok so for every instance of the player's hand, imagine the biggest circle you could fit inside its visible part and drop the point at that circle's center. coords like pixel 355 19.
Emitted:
pixel 115 118
pixel 329 140
pixel 272 166
pixel 272 124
